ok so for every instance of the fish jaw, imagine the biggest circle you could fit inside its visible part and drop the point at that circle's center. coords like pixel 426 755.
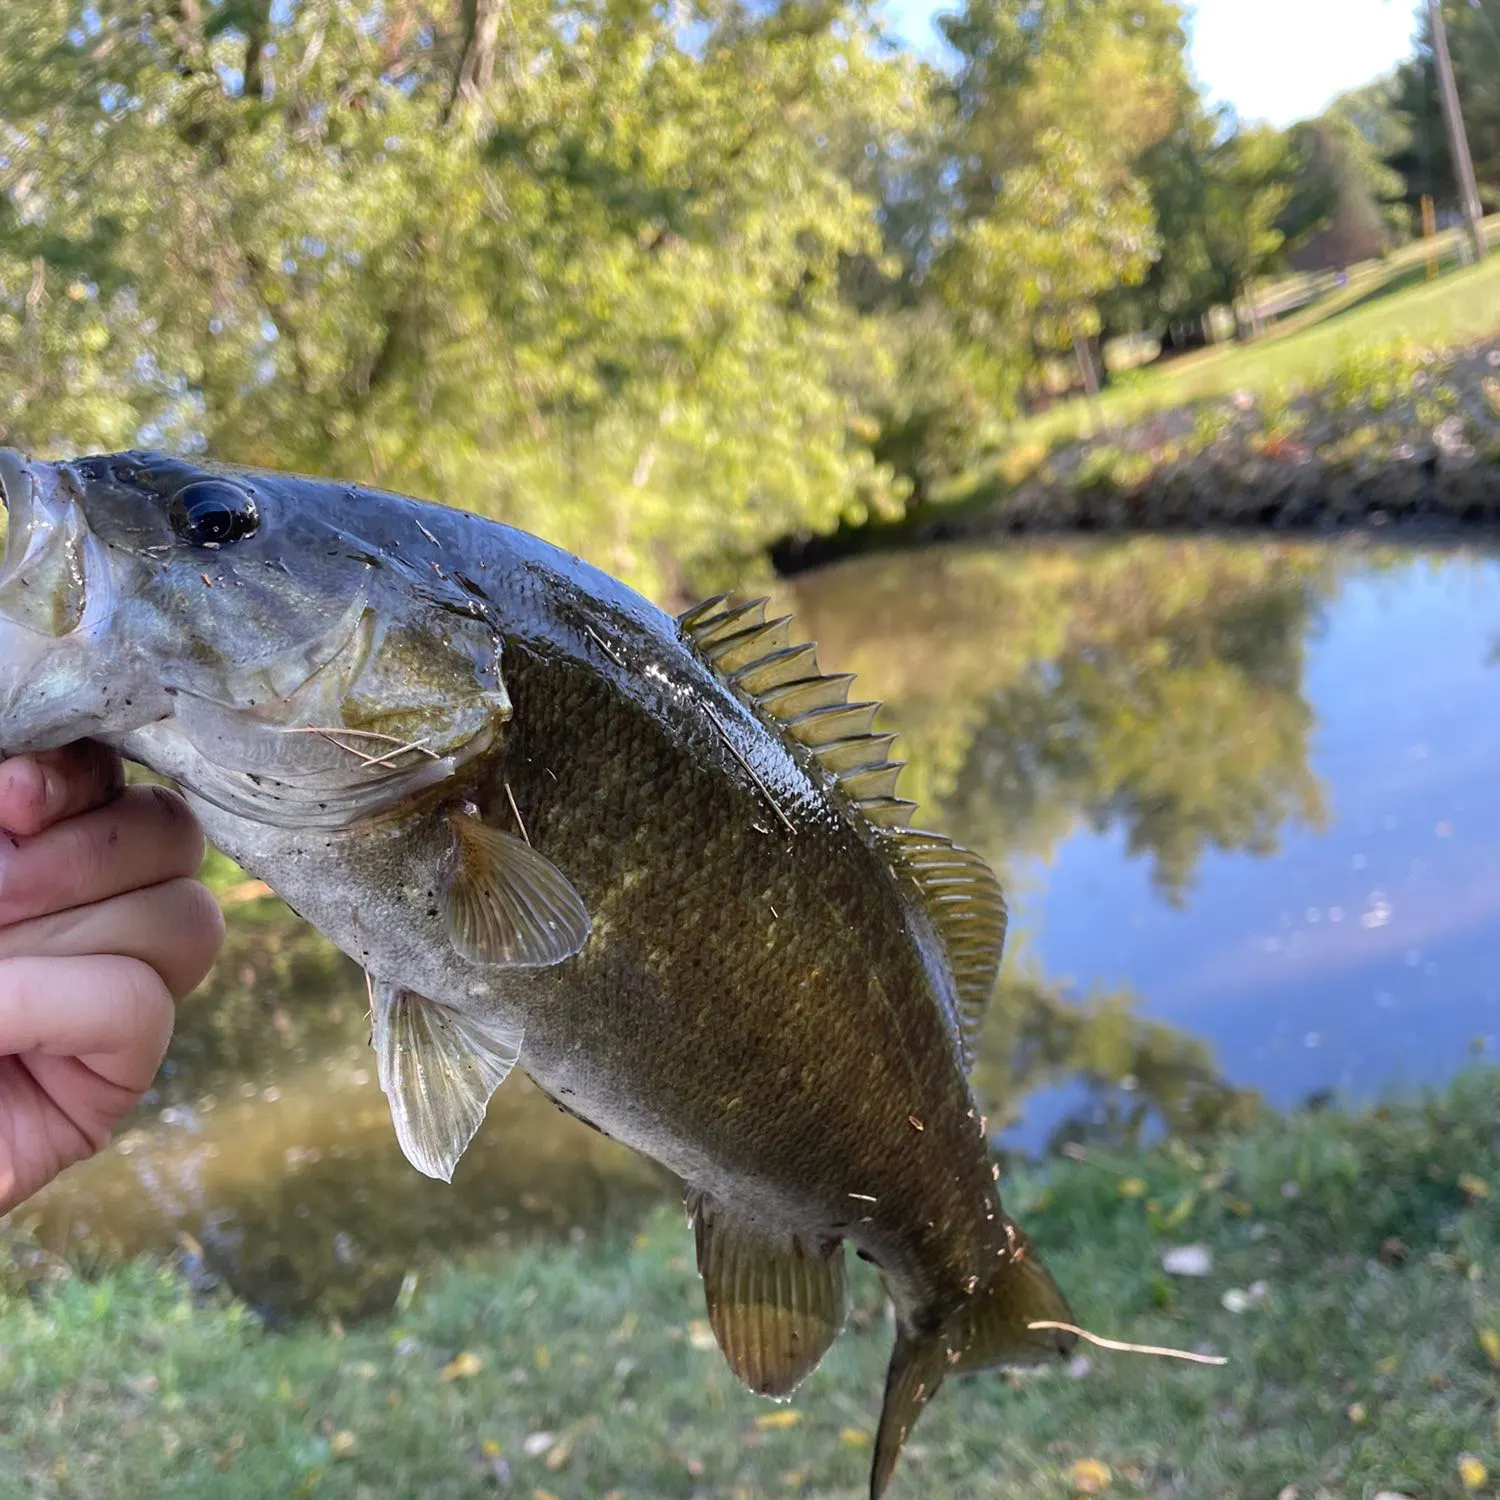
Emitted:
pixel 280 677
pixel 59 679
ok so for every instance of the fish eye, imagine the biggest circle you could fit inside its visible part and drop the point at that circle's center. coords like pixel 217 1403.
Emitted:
pixel 213 513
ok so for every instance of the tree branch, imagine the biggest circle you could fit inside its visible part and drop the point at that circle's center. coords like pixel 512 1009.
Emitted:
pixel 476 61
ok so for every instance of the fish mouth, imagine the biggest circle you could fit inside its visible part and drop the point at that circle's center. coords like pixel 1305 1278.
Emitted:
pixel 17 491
pixel 50 553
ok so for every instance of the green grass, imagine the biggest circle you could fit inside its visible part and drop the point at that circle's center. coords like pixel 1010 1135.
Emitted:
pixel 1347 1377
pixel 1400 304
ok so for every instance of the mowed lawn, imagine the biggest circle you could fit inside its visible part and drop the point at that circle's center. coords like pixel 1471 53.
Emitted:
pixel 1459 305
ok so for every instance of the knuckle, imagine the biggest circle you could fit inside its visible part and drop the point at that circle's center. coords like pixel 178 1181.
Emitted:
pixel 144 997
pixel 201 934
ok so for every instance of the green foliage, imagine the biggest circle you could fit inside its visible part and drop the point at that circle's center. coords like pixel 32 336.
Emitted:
pixel 1063 230
pixel 594 290
pixel 1359 1249
pixel 693 280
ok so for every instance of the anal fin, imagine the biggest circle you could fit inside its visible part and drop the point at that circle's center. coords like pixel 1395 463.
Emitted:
pixel 775 1305
pixel 438 1070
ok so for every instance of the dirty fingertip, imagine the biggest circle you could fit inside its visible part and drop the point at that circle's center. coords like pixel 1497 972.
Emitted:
pixel 40 789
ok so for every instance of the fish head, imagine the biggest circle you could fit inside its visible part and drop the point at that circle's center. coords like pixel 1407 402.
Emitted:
pixel 256 635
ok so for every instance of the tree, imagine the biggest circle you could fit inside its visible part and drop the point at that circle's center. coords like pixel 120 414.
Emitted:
pixel 1053 103
pixel 1423 159
pixel 593 289
pixel 1064 229
pixel 1248 184
pixel 1332 215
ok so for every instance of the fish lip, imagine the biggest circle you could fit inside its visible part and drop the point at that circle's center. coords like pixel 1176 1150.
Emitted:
pixel 18 496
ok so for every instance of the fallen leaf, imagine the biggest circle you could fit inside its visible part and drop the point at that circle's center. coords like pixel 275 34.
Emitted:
pixel 1180 1211
pixel 1188 1260
pixel 558 1455
pixel 1357 1413
pixel 1239 1300
pixel 778 1419
pixel 1472 1187
pixel 1393 1251
pixel 854 1437
pixel 536 1443
pixel 461 1367
pixel 1391 1495
pixel 342 1444
pixel 1471 1473
pixel 1088 1476
pixel 1132 1187
pixel 701 1335
pixel 1489 1341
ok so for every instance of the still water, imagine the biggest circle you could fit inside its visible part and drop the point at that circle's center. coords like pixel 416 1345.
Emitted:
pixel 1243 797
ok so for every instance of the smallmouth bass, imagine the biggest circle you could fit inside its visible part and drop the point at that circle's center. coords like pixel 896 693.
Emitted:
pixel 659 862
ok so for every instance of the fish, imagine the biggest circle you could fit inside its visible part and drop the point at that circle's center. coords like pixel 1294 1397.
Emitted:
pixel 658 861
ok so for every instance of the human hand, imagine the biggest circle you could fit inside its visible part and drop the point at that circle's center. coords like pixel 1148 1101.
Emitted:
pixel 102 928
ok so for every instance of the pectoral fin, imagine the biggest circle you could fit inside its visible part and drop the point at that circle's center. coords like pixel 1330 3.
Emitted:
pixel 508 905
pixel 774 1306
pixel 438 1069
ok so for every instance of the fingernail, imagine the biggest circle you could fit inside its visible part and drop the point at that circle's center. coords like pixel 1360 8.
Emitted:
pixel 51 790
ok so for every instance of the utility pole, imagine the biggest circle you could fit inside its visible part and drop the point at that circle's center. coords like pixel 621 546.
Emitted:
pixel 1463 167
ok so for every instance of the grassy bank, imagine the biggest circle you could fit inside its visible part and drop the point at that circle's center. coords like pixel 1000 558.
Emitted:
pixel 1307 348
pixel 1353 1287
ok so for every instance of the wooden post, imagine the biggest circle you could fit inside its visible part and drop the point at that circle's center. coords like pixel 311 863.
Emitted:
pixel 1463 166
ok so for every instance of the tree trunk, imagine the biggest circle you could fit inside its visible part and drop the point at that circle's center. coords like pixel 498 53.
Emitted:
pixel 1085 357
pixel 476 63
pixel 255 45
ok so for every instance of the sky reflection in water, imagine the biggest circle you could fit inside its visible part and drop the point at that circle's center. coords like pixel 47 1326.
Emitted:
pixel 1361 956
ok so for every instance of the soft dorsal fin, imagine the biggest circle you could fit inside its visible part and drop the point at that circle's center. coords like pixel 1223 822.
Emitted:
pixel 781 680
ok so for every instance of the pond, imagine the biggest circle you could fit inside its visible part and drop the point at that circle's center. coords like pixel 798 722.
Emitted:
pixel 1240 794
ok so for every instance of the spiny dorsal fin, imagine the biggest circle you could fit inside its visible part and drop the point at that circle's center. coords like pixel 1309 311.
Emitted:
pixel 783 682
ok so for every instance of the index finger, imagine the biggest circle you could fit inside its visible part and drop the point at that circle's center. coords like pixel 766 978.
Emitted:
pixel 43 788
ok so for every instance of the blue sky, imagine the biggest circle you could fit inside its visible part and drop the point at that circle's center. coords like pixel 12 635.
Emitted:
pixel 1277 60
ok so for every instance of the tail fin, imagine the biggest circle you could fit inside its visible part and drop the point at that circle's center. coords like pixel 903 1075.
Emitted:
pixel 991 1331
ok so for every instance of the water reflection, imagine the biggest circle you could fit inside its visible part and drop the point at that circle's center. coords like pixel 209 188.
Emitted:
pixel 1234 789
